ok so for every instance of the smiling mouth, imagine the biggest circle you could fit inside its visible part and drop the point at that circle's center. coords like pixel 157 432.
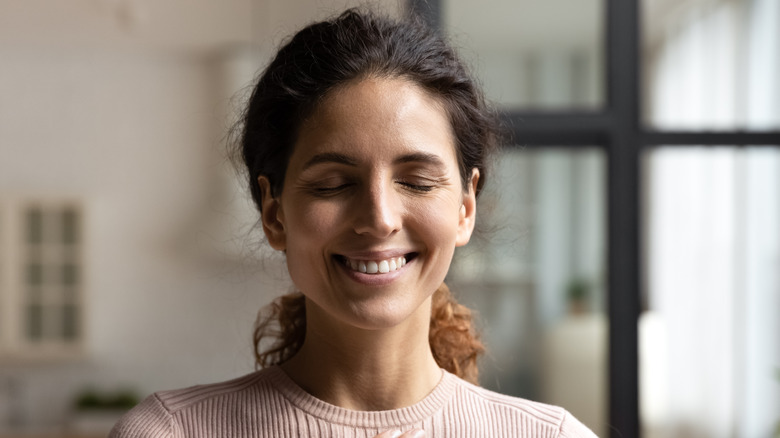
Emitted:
pixel 376 266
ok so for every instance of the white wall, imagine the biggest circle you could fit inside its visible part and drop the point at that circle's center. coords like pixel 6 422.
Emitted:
pixel 131 125
pixel 131 135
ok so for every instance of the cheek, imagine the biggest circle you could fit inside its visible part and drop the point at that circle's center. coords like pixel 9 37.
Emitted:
pixel 439 221
pixel 309 231
pixel 317 219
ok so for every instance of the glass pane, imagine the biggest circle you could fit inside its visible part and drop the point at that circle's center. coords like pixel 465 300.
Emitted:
pixel 535 276
pixel 34 274
pixel 710 332
pixel 711 65
pixel 69 226
pixel 69 322
pixel 34 226
pixel 34 322
pixel 532 54
pixel 69 274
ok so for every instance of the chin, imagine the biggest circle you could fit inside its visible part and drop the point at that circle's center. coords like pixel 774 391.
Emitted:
pixel 383 315
pixel 369 308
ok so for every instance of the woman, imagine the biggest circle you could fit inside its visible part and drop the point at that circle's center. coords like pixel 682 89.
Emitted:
pixel 365 144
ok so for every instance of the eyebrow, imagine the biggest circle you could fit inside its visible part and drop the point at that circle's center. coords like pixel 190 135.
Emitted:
pixel 420 157
pixel 330 157
pixel 334 157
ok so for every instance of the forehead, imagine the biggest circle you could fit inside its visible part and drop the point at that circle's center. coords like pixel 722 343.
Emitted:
pixel 374 118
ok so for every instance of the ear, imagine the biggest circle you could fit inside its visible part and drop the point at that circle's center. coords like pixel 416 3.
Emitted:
pixel 468 211
pixel 272 216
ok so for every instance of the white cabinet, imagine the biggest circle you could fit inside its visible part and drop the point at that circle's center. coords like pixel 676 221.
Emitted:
pixel 42 279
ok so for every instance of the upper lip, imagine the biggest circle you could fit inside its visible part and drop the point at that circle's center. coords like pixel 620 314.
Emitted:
pixel 375 255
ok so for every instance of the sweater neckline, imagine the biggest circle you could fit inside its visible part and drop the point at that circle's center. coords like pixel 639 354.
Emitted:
pixel 405 416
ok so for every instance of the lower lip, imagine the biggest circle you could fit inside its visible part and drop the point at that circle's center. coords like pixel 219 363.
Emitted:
pixel 372 279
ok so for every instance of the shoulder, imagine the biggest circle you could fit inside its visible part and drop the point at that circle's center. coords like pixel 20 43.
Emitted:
pixel 149 419
pixel 522 415
pixel 161 414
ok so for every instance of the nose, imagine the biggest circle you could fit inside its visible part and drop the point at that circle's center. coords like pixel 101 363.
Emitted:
pixel 378 211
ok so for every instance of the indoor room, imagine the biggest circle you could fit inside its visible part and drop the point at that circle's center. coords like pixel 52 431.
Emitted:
pixel 626 259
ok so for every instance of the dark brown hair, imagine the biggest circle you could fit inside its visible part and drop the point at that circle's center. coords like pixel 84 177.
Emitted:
pixel 320 58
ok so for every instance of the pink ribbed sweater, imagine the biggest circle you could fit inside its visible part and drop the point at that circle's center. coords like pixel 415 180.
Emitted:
pixel 268 403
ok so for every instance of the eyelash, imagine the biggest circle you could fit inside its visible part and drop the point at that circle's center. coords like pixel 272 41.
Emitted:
pixel 324 191
pixel 417 187
pixel 329 190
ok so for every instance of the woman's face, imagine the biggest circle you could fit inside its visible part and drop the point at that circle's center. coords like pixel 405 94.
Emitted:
pixel 373 205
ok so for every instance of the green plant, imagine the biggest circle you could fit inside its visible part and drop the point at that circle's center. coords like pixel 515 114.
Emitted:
pixel 578 289
pixel 92 399
pixel 88 399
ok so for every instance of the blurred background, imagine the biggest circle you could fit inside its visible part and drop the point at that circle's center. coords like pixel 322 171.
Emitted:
pixel 130 261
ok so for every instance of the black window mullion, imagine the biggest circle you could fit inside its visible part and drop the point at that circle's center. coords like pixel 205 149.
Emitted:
pixel 710 138
pixel 535 129
pixel 622 44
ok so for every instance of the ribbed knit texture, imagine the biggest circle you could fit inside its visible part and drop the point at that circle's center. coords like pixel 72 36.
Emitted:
pixel 268 403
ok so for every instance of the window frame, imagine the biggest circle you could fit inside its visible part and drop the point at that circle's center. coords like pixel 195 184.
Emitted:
pixel 618 128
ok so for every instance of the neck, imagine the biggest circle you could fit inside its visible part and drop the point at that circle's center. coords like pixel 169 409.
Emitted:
pixel 367 370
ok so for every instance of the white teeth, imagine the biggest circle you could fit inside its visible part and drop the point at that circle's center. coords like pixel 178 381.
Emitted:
pixel 374 267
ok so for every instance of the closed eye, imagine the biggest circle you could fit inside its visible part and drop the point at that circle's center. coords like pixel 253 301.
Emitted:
pixel 417 187
pixel 330 190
